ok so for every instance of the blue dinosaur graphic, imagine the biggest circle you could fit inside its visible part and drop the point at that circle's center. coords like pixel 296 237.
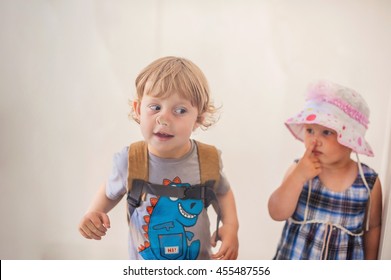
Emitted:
pixel 165 228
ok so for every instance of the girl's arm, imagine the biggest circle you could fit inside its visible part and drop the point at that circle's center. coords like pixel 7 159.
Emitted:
pixel 372 236
pixel 282 203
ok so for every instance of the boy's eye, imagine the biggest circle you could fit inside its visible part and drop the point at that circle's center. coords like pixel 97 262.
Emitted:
pixel 154 107
pixel 180 111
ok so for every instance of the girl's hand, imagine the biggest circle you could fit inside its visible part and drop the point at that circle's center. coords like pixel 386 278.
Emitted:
pixel 309 165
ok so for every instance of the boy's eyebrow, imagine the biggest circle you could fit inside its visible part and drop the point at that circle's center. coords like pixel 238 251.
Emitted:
pixel 182 101
pixel 154 99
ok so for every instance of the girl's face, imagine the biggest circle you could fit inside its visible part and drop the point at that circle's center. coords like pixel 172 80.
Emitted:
pixel 327 149
pixel 167 124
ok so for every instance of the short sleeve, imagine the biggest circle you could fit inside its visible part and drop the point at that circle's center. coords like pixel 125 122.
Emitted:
pixel 223 186
pixel 116 183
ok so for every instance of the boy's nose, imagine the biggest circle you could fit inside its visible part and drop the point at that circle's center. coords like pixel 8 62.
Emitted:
pixel 161 121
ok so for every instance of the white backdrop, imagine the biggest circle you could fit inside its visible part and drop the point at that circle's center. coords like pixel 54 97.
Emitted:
pixel 67 72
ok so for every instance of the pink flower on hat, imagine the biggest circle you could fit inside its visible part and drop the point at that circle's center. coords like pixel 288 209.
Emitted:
pixel 311 117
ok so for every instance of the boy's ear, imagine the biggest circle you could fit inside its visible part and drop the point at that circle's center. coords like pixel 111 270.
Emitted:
pixel 198 123
pixel 136 104
pixel 136 107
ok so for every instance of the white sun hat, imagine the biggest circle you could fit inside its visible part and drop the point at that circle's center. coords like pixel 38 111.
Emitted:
pixel 336 107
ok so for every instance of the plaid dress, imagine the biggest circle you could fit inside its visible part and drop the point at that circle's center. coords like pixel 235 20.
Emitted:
pixel 334 224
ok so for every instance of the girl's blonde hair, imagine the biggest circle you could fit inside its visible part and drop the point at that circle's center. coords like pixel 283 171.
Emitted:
pixel 171 74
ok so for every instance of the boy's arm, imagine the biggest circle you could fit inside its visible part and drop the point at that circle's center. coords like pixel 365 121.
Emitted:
pixel 95 222
pixel 228 232
pixel 372 236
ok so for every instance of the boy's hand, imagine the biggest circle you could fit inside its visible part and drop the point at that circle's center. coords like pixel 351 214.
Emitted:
pixel 309 165
pixel 94 225
pixel 229 243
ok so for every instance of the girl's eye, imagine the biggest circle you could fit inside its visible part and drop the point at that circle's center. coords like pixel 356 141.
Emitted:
pixel 154 107
pixel 327 132
pixel 180 111
pixel 309 130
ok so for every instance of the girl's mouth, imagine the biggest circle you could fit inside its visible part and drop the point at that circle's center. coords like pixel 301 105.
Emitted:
pixel 316 153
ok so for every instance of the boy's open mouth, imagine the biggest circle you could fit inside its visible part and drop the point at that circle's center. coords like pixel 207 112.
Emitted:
pixel 163 135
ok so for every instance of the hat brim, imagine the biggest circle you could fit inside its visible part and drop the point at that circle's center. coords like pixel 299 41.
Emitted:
pixel 350 134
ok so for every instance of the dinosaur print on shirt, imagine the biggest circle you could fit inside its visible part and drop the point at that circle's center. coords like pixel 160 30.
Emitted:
pixel 165 228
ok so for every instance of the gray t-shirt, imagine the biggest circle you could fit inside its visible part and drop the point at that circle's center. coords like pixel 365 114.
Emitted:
pixel 166 228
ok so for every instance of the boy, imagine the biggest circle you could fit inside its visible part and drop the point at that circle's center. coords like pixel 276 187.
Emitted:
pixel 172 101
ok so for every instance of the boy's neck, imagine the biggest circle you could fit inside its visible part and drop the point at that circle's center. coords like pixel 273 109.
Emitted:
pixel 173 154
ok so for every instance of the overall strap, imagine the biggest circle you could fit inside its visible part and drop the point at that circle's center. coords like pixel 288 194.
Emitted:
pixel 209 162
pixel 137 163
pixel 137 170
pixel 208 158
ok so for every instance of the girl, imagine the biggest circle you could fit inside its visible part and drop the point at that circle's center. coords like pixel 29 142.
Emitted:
pixel 332 205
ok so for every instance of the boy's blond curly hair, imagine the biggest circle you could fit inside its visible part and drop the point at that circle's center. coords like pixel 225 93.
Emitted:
pixel 171 74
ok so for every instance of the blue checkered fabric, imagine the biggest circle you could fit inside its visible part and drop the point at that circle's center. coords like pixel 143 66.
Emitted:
pixel 334 225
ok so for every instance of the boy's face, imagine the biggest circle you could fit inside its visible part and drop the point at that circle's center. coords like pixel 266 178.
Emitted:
pixel 327 148
pixel 166 124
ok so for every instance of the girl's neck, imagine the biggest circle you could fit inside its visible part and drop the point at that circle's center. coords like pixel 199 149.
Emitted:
pixel 340 166
pixel 339 177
